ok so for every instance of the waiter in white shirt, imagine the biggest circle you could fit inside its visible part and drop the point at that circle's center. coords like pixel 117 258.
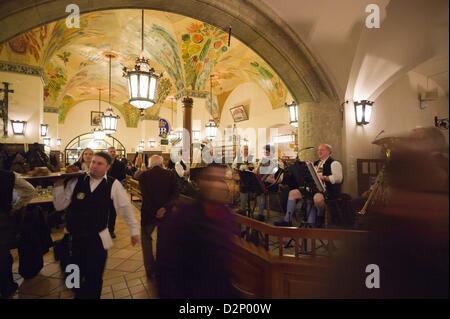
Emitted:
pixel 88 199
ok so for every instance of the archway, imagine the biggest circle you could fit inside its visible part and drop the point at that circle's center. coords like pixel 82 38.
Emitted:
pixel 76 145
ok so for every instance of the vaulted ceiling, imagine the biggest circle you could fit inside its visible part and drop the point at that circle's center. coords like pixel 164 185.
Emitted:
pixel 186 50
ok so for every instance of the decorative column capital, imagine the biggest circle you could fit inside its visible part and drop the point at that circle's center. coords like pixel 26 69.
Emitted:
pixel 187 102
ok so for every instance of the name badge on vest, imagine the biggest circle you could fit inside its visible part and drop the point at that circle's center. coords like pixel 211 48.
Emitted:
pixel 81 196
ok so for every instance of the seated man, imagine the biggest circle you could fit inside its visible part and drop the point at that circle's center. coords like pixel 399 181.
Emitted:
pixel 268 169
pixel 243 162
pixel 330 172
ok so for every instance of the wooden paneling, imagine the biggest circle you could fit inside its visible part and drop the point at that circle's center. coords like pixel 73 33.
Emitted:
pixel 265 273
pixel 367 171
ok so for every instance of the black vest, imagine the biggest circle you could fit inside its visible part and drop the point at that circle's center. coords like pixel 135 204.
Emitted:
pixel 89 212
pixel 240 160
pixel 333 190
pixel 7 180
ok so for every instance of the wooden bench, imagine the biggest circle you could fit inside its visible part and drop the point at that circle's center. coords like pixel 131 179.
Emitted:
pixel 133 188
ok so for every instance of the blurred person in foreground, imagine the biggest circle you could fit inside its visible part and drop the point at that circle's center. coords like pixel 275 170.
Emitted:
pixel 194 243
pixel 408 224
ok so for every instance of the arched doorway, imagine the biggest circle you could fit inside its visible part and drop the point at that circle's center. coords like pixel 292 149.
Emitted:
pixel 78 144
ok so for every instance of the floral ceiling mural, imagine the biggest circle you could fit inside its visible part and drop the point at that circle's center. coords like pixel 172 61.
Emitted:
pixel 187 51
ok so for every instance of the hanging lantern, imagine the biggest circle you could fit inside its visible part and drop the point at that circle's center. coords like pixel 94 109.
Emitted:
pixel 142 80
pixel 292 110
pixel 109 118
pixel 109 121
pixel 99 134
pixel 211 126
pixel 211 129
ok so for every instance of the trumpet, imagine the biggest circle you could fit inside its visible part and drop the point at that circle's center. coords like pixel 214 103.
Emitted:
pixel 374 189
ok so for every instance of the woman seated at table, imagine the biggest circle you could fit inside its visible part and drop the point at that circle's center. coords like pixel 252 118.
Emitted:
pixel 85 159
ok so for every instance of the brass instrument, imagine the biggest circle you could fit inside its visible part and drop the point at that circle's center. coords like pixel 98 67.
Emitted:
pixel 374 190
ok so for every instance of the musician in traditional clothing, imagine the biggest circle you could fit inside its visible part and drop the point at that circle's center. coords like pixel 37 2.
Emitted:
pixel 269 170
pixel 330 172
pixel 243 162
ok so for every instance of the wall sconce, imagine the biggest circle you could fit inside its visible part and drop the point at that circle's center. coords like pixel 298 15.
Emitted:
pixel 58 142
pixel 44 130
pixel 18 127
pixel 363 112
pixel 443 123
pixel 47 141
pixel 151 143
pixel 293 111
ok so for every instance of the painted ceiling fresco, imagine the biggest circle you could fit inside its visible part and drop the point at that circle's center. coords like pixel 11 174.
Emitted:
pixel 187 51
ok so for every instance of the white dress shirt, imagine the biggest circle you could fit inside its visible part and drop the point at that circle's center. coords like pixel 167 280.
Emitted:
pixel 244 166
pixel 336 171
pixel 23 192
pixel 63 196
pixel 180 170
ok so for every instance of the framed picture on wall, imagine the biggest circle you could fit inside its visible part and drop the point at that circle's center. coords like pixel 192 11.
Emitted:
pixel 239 113
pixel 96 118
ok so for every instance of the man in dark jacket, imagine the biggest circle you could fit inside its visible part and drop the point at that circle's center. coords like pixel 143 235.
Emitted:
pixel 158 188
pixel 118 171
pixel 15 193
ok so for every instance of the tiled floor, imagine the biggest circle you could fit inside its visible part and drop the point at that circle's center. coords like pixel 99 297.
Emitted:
pixel 124 276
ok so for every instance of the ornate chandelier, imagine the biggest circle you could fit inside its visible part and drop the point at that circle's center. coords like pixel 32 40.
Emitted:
pixel 99 134
pixel 142 80
pixel 109 119
pixel 211 126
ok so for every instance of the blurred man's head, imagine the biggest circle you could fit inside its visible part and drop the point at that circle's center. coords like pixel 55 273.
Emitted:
pixel 156 160
pixel 269 150
pixel 212 184
pixel 112 152
pixel 100 164
pixel 245 150
pixel 323 151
